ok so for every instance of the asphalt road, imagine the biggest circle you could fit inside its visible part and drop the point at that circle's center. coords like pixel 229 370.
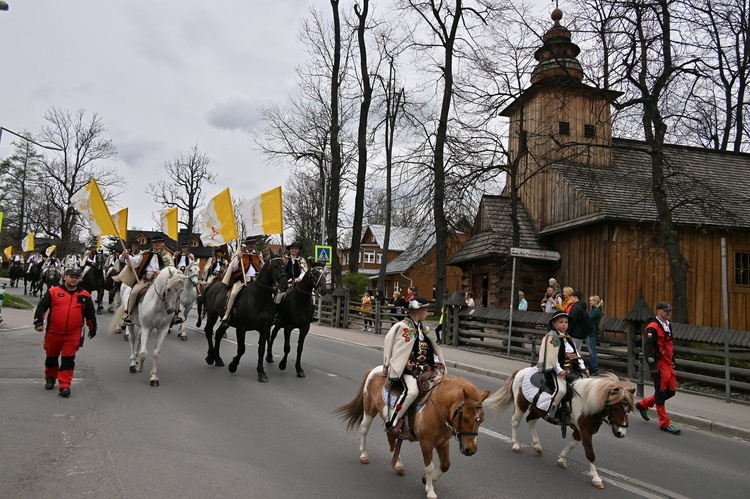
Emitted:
pixel 205 432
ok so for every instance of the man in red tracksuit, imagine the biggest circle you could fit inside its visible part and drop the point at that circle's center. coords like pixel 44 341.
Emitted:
pixel 69 305
pixel 659 349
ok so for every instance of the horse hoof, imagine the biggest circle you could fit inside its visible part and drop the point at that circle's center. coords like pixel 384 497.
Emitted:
pixel 269 359
pixel 598 485
pixel 132 369
pixel 220 363
pixel 126 337
pixel 154 382
pixel 183 337
pixel 399 470
pixel 538 451
pixel 364 460
pixel 563 464
pixel 282 365
pixel 300 374
pixel 198 324
pixel 210 359
pixel 263 378
pixel 232 367
pixel 98 312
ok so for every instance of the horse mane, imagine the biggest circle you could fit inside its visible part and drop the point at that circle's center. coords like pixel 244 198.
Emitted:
pixel 600 391
pixel 458 384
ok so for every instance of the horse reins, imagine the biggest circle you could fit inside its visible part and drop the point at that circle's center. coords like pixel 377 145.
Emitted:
pixel 608 418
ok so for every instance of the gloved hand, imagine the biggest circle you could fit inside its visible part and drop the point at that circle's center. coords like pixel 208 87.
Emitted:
pixel 92 333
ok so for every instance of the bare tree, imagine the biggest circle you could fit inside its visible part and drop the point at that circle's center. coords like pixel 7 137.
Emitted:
pixel 20 175
pixel 83 149
pixel 188 175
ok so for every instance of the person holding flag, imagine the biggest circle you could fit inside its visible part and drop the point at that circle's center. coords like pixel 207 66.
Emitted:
pixel 89 259
pixel 246 263
pixel 183 257
pixel 147 266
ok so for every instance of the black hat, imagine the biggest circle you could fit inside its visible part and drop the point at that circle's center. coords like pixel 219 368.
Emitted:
pixel 250 240
pixel 662 305
pixel 157 238
pixel 295 244
pixel 220 248
pixel 558 315
pixel 418 303
pixel 185 243
pixel 73 271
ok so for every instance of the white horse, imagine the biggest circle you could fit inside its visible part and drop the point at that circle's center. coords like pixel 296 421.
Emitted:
pixel 189 294
pixel 154 312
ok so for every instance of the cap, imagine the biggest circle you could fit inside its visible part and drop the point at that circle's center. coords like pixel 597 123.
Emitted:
pixel 662 305
pixel 73 271
pixel 157 238
pixel 559 315
pixel 250 240
pixel 185 243
pixel 418 303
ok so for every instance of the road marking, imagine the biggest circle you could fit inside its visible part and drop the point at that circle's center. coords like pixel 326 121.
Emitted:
pixel 627 483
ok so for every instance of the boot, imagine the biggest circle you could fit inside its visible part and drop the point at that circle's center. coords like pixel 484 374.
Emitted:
pixel 550 416
pixel 395 430
pixel 127 320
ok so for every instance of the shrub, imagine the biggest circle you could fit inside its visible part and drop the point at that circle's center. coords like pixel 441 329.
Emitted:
pixel 356 285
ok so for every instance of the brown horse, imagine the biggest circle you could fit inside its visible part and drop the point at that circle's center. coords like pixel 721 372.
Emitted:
pixel 597 400
pixel 454 409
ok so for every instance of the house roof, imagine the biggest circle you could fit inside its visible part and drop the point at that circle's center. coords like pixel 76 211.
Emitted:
pixel 493 235
pixel 401 237
pixel 705 187
pixel 411 255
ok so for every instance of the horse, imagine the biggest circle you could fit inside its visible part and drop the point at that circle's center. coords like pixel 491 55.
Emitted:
pixel 154 312
pixel 34 276
pixel 189 294
pixel 51 276
pixel 253 309
pixel 112 286
pixel 454 409
pixel 296 312
pixel 596 400
pixel 15 272
pixel 94 281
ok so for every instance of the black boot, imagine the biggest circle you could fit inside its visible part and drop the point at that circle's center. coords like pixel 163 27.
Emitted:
pixel 49 383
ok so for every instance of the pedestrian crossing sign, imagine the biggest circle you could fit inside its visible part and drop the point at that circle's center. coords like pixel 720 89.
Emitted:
pixel 323 255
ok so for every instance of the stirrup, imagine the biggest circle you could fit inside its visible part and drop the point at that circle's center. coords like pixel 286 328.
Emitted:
pixel 127 320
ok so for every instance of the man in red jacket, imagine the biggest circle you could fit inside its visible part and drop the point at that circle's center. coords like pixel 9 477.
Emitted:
pixel 659 350
pixel 68 305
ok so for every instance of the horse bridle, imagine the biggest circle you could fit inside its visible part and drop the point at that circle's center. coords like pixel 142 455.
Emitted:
pixel 459 412
pixel 321 275
pixel 608 418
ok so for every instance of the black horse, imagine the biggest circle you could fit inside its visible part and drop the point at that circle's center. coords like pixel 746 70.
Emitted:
pixel 253 309
pixel 33 277
pixel 94 281
pixel 51 276
pixel 296 312
pixel 15 272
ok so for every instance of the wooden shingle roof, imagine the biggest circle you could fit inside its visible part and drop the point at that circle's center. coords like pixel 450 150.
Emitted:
pixel 705 187
pixel 493 232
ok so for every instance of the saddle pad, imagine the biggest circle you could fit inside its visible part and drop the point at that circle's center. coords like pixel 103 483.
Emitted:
pixel 530 391
pixel 391 397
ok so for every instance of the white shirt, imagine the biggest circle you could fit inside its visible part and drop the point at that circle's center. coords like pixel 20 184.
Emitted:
pixel 153 264
pixel 249 271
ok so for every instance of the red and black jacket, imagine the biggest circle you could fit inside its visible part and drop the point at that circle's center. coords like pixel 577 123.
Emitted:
pixel 68 309
pixel 658 347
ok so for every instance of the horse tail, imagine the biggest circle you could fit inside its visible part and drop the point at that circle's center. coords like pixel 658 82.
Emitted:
pixel 499 401
pixel 353 412
pixel 114 325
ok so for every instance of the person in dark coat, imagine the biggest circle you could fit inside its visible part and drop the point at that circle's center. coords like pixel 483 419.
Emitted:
pixel 580 324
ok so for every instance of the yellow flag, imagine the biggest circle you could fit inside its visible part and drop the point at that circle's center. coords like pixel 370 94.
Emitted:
pixel 89 202
pixel 168 219
pixel 121 222
pixel 49 250
pixel 28 242
pixel 263 214
pixel 9 252
pixel 1 220
pixel 218 225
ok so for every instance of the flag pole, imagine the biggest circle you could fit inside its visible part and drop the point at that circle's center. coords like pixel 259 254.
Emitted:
pixel 242 264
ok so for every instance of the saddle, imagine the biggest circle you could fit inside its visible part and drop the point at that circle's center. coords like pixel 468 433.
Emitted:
pixel 136 298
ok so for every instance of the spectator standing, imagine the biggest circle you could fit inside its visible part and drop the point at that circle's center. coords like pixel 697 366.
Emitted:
pixel 411 293
pixel 580 324
pixel 565 301
pixel 469 297
pixel 365 309
pixel 523 305
pixel 397 306
pixel 595 317
pixel 69 305
pixel 555 286
pixel 659 352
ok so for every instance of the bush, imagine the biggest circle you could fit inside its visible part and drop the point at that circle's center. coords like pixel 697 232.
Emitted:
pixel 11 301
pixel 356 285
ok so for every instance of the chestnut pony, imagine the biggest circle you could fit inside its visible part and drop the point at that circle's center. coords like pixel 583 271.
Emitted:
pixel 453 409
pixel 597 400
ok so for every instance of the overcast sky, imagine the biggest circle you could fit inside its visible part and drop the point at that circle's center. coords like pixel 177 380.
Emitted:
pixel 164 75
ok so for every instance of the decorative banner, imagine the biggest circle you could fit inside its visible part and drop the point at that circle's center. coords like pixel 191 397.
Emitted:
pixel 168 220
pixel 90 204
pixel 28 242
pixel 9 252
pixel 49 250
pixel 98 243
pixel 263 214
pixel 1 220
pixel 121 222
pixel 218 225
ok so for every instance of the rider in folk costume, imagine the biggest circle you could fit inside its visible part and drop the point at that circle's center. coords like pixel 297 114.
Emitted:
pixel 147 266
pixel 52 261
pixel 251 262
pixel 183 258
pixel 215 265
pixel 89 259
pixel 135 248
pixel 35 258
pixel 556 362
pixel 296 267
pixel 18 257
pixel 408 351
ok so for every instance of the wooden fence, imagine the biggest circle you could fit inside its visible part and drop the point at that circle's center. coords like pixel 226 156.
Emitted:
pixel 699 351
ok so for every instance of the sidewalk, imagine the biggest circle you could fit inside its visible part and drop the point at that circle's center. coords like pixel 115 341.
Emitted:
pixel 700 411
